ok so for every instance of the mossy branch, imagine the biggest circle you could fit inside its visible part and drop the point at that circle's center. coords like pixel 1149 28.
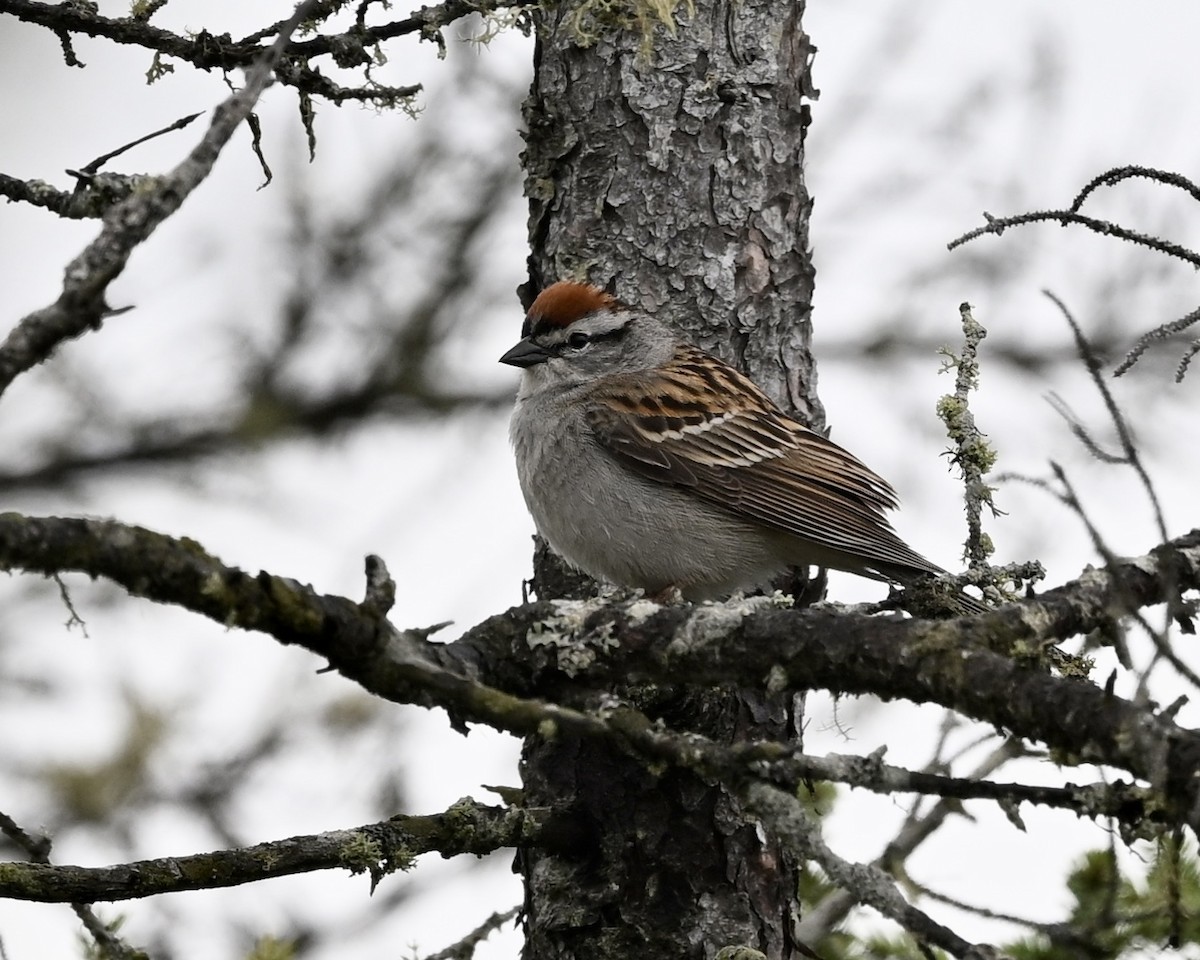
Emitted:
pixel 972 453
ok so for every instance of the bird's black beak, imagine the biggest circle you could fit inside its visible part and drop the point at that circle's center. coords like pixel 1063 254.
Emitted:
pixel 526 354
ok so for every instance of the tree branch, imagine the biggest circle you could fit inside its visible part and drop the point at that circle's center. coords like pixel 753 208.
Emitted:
pixel 270 415
pixel 1123 801
pixel 784 816
pixel 997 226
pixel 38 849
pixel 81 306
pixel 918 826
pixel 375 848
pixel 543 650
pixel 465 948
pixel 563 650
pixel 207 51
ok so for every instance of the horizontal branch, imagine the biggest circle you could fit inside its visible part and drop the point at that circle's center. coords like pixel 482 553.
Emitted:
pixel 398 665
pixel 94 191
pixel 547 650
pixel 465 948
pixel 208 51
pixel 985 667
pixel 376 848
pixel 1122 801
pixel 68 204
pixel 559 651
pixel 997 226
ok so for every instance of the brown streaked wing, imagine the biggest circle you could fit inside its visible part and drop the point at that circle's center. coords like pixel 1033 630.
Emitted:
pixel 752 459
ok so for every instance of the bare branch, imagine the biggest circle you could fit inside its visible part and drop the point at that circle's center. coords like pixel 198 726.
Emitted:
pixel 916 829
pixel 207 51
pixel 405 369
pixel 1165 332
pixel 1121 800
pixel 1129 450
pixel 158 443
pixel 81 306
pixel 103 191
pixel 997 226
pixel 374 848
pixel 1119 174
pixel 100 161
pixel 465 948
pixel 784 816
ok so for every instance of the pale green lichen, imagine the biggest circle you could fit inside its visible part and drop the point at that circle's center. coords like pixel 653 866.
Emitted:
pixel 495 22
pixel 712 622
pixel 462 820
pixel 971 452
pixel 593 19
pixel 158 68
pixel 576 647
pixel 272 948
pixel 739 952
pixel 361 854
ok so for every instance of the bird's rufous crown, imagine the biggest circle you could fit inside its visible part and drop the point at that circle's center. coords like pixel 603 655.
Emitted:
pixel 562 303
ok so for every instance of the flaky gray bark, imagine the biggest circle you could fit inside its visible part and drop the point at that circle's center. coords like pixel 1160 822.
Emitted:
pixel 671 172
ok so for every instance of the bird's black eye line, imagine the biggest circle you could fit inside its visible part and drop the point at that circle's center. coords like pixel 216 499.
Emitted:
pixel 578 340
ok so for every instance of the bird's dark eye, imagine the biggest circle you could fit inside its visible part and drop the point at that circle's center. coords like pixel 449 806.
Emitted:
pixel 578 340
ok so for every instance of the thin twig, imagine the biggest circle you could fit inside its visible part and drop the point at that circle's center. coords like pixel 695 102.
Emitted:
pixel 985 912
pixel 997 226
pixel 1131 456
pixel 915 830
pixel 465 948
pixel 1129 449
pixel 1119 174
pixel 100 161
pixel 1158 334
pixel 1068 497
pixel 1130 803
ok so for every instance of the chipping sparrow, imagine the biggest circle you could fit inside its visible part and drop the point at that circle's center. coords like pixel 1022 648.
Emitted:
pixel 649 463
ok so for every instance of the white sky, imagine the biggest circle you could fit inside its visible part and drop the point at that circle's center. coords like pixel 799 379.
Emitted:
pixel 930 113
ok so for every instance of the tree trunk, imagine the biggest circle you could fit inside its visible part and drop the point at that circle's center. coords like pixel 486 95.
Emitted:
pixel 670 170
